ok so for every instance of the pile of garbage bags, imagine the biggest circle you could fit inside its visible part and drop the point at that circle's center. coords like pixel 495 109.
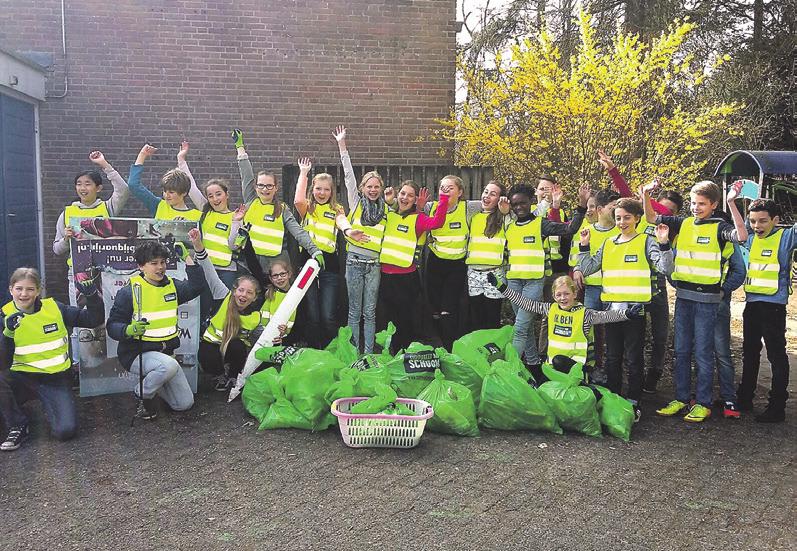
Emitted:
pixel 481 383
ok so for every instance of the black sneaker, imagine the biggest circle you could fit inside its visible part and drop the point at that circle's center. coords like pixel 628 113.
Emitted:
pixel 14 439
pixel 651 381
pixel 147 409
pixel 771 415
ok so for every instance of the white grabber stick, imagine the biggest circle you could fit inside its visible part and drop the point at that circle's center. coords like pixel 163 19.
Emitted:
pixel 287 307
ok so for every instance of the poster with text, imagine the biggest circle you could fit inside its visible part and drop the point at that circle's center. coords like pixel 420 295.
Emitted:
pixel 102 253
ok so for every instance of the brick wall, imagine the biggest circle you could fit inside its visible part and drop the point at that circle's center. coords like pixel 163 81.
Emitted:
pixel 285 71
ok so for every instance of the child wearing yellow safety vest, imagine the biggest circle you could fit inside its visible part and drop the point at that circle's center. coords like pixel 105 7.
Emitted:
pixel 367 213
pixel 322 216
pixel 281 278
pixel 697 279
pixel 529 260
pixel 233 325
pixel 400 286
pixel 570 324
pixel 627 262
pixel 34 357
pixel 486 254
pixel 267 218
pixel 145 325
pixel 768 287
pixel 446 272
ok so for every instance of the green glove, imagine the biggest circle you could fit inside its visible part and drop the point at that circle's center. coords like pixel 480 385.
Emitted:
pixel 136 328
pixel 238 137
pixel 319 257
pixel 181 250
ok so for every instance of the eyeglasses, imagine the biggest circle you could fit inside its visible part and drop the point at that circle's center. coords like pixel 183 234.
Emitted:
pixel 266 186
pixel 279 275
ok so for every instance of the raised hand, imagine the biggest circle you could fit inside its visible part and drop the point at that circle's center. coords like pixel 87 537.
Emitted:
pixel 147 151
pixel 305 165
pixel 390 195
pixel 605 161
pixel 183 153
pixel 584 193
pixel 422 199
pixel 583 236
pixel 503 205
pixel 662 233
pixel 239 213
pixel 98 158
pixel 237 137
pixel 647 189
pixel 196 239
pixel 556 196
pixel 734 190
pixel 340 133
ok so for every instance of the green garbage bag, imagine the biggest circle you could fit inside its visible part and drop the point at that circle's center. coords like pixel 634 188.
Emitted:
pixel 377 404
pixel 342 347
pixel 343 387
pixel 574 375
pixel 413 369
pixel 257 396
pixel 275 356
pixel 575 407
pixel 457 370
pixel 383 339
pixel 481 348
pixel 454 409
pixel 368 362
pixel 283 414
pixel 616 413
pixel 508 402
pixel 397 408
pixel 306 377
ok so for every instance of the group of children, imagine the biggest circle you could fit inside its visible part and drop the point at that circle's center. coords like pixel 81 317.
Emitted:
pixel 509 244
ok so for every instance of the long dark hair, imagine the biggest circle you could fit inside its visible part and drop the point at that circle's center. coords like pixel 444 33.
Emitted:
pixel 495 219
pixel 223 184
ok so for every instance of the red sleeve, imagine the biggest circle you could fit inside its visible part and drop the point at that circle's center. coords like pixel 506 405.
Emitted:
pixel 619 183
pixel 660 209
pixel 425 223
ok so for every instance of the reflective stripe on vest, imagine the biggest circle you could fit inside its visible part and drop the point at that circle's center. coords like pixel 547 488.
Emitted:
pixel 320 224
pixel 597 237
pixel 374 233
pixel 566 333
pixel 270 308
pixel 764 268
pixel 215 330
pixel 698 258
pixel 451 240
pixel 526 250
pixel 158 306
pixel 626 271
pixel 488 251
pixel 167 212
pixel 216 228
pixel 41 343
pixel 400 240
pixel 266 231
pixel 73 211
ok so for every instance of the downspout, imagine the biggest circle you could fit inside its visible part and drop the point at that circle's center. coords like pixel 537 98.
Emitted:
pixel 66 61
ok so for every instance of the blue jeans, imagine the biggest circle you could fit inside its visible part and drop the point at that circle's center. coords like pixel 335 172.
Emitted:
pixel 362 279
pixel 524 340
pixel 722 351
pixel 592 297
pixel 694 335
pixel 321 302
pixel 54 392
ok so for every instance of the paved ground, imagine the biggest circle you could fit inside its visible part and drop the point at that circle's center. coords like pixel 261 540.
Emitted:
pixel 208 479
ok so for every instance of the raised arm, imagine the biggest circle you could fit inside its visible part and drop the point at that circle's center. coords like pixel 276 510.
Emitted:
pixel 660 252
pixel 300 195
pixel 587 264
pixel 237 222
pixel 194 193
pixel 738 220
pixel 645 191
pixel 244 167
pixel 424 222
pixel 120 190
pixel 352 194
pixel 217 287
pixel 138 190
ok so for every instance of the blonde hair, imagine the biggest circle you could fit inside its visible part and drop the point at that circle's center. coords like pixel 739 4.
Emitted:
pixel 368 175
pixel 275 201
pixel 272 289
pixel 707 189
pixel 565 280
pixel 333 199
pixel 25 273
pixel 232 318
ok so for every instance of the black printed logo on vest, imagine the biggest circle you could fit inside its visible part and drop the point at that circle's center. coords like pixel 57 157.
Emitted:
pixel 170 297
pixel 766 252
pixel 455 225
pixel 630 258
pixel 221 226
pixel 269 218
pixel 529 239
pixel 563 331
pixel 50 328
pixel 650 230
pixel 330 215
pixel 402 228
pixel 704 240
pixel 421 362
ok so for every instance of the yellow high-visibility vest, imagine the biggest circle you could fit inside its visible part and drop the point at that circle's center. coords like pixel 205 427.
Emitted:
pixel 41 343
pixel 698 259
pixel 270 308
pixel 764 267
pixel 400 240
pixel 375 233
pixel 167 212
pixel 266 231
pixel 487 251
pixel 626 271
pixel 526 250
pixel 450 241
pixel 566 334
pixel 216 227
pixel 74 211
pixel 158 306
pixel 215 330
pixel 320 224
